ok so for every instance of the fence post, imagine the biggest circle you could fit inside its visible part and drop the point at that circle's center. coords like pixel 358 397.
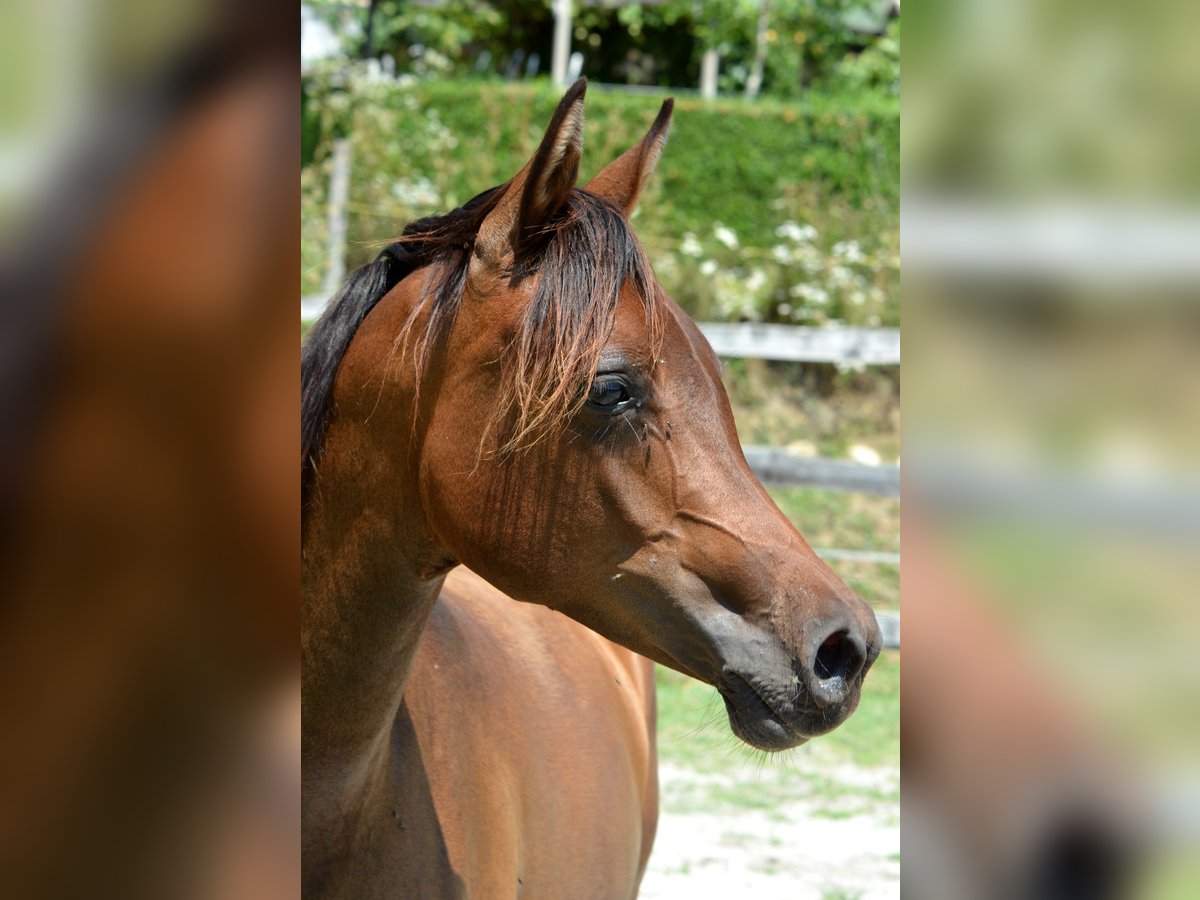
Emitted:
pixel 562 41
pixel 708 74
pixel 339 196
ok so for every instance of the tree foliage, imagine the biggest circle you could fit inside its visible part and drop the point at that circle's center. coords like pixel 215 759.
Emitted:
pixel 810 44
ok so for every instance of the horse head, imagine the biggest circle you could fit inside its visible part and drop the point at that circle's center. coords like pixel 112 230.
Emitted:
pixel 574 445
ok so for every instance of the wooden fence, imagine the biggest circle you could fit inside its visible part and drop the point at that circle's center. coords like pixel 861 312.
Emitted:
pixel 842 345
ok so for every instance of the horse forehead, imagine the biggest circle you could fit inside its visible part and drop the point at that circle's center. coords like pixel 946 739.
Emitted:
pixel 630 304
pixel 497 310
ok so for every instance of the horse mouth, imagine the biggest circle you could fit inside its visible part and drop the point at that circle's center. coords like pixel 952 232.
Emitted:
pixel 753 719
pixel 760 724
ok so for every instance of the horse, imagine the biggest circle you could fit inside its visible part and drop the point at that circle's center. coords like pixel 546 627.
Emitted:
pixel 521 487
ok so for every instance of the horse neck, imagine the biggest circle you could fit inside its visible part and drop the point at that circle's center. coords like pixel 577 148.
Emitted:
pixel 370 569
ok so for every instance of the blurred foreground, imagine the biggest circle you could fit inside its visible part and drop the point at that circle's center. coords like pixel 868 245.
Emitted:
pixel 147 407
pixel 1051 241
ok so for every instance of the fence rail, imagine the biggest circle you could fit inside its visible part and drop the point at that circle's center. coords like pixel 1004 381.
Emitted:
pixel 799 343
pixel 882 557
pixel 778 467
pixel 889 625
pixel 788 343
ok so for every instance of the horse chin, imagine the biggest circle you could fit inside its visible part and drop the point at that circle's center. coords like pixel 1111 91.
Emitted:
pixel 754 721
pixel 759 724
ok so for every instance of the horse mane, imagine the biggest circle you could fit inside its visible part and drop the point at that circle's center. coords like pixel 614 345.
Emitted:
pixel 584 255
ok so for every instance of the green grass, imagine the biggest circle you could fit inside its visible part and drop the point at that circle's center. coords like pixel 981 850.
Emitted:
pixel 1112 617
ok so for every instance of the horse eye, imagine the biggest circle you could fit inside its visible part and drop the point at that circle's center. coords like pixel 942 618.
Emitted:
pixel 609 394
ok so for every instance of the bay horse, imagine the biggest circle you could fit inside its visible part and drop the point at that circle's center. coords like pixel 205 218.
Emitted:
pixel 506 388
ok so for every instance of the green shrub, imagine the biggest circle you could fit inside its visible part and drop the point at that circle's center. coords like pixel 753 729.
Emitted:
pixel 800 280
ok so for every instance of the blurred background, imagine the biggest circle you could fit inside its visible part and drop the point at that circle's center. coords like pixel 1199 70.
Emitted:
pixel 1051 233
pixel 773 219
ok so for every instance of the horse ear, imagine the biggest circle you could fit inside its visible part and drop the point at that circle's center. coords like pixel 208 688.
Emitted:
pixel 540 189
pixel 622 180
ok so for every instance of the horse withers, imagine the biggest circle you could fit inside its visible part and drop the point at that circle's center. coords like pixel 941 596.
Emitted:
pixel 508 389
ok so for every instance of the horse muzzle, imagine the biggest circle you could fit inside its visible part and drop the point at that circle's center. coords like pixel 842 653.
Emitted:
pixel 779 706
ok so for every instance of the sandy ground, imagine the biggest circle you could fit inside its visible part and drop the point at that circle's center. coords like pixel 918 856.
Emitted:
pixel 798 848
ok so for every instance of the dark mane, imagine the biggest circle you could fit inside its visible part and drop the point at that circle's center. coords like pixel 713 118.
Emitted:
pixel 583 256
pixel 422 243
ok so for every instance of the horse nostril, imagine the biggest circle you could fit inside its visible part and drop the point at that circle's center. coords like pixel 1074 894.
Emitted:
pixel 837 657
pixel 839 660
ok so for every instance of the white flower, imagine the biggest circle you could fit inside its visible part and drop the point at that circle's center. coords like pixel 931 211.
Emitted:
pixel 417 192
pixel 691 246
pixel 756 280
pixel 781 253
pixel 840 275
pixel 784 309
pixel 708 268
pixel 725 236
pixel 789 230
pixel 849 251
pixel 811 293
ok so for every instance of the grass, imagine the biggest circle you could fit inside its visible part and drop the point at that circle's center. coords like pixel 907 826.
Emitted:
pixel 1112 617
pixel 839 519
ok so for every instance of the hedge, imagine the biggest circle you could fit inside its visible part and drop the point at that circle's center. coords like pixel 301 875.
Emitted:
pixel 422 147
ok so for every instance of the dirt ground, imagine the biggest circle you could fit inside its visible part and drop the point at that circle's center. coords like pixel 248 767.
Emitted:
pixel 842 844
